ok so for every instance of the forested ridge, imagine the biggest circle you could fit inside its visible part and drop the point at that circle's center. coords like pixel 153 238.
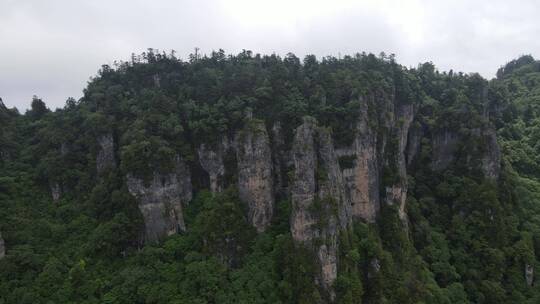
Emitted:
pixel 264 179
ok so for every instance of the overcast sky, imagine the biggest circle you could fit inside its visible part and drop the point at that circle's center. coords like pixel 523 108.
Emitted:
pixel 51 48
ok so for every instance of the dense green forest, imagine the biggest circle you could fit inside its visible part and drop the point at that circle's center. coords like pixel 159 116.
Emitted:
pixel 74 232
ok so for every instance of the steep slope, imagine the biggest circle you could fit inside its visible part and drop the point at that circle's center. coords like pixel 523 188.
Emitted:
pixel 260 179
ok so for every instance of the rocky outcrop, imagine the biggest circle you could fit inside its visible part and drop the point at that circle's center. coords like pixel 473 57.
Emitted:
pixel 397 192
pixel 320 208
pixel 362 180
pixel 330 181
pixel 105 158
pixel 56 190
pixel 303 187
pixel 529 274
pixel 211 160
pixel 255 179
pixel 380 141
pixel 161 201
pixel 2 247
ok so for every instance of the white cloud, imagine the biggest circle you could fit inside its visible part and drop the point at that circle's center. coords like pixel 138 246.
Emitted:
pixel 51 48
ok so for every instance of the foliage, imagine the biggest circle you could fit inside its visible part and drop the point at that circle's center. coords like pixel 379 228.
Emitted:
pixel 468 238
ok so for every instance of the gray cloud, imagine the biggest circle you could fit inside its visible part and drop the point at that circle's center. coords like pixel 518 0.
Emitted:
pixel 51 48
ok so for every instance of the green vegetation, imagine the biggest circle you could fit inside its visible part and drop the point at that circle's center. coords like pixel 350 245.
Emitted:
pixel 469 238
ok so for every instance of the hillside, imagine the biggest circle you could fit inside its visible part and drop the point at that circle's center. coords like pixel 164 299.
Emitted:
pixel 262 179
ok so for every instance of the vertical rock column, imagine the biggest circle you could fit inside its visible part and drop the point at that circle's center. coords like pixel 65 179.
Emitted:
pixel 529 274
pixel 397 192
pixel 255 179
pixel 303 189
pixel 320 209
pixel 363 178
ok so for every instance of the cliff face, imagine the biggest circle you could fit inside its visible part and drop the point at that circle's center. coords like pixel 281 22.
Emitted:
pixel 304 186
pixel 329 187
pixel 327 197
pixel 320 208
pixel 255 179
pixel 380 142
pixel 396 192
pixel 161 202
pixel 362 179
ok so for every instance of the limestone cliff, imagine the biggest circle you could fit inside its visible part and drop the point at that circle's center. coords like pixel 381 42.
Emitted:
pixel 161 201
pixel 303 189
pixel 362 179
pixel 255 179
pixel 380 142
pixel 320 208
pixel 396 191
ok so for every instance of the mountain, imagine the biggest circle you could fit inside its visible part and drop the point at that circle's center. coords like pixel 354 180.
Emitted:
pixel 262 179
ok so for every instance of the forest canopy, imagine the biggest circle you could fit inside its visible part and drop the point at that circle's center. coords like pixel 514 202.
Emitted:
pixel 467 238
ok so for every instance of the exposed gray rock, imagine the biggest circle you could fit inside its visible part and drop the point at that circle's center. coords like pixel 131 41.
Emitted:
pixel 303 188
pixel 211 161
pixel 362 180
pixel 105 157
pixel 397 193
pixel 332 185
pixel 529 274
pixel 161 202
pixel 255 180
pixel 56 191
pixel 320 208
pixel 374 267
pixel 335 208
